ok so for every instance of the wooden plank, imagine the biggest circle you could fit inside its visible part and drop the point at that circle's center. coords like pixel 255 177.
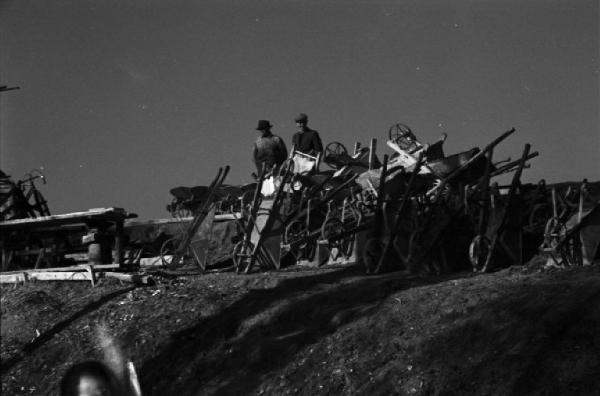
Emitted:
pixel 372 150
pixel 268 235
pixel 155 261
pixel 200 243
pixel 86 274
pixel 133 278
pixel 118 245
pixel 228 216
pixel 79 267
pixel 13 278
pixel 174 220
pixel 7 256
pixel 77 257
pixel 46 276
pixel 65 216
pixel 108 214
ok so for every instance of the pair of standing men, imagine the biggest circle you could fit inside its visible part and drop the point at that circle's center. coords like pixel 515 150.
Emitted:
pixel 270 149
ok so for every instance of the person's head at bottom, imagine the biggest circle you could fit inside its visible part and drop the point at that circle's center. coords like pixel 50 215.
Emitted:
pixel 89 378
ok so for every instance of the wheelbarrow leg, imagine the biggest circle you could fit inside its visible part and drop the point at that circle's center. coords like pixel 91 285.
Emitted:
pixel 390 238
pixel 510 205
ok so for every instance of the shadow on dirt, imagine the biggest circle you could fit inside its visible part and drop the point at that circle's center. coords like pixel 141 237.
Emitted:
pixel 58 327
pixel 229 352
pixel 537 339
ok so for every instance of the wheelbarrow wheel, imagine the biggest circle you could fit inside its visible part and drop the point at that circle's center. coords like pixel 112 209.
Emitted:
pixel 554 232
pixel 398 131
pixel 294 232
pixel 240 252
pixel 182 212
pixel 334 150
pixel 167 251
pixel 478 252
pixel 371 254
pixel 445 193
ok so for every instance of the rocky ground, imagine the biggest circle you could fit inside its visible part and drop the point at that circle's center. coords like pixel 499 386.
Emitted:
pixel 329 331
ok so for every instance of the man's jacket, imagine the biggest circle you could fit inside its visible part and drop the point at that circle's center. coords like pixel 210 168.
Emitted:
pixel 270 150
pixel 308 142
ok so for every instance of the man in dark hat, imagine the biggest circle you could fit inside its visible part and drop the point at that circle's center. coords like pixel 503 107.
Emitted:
pixel 306 140
pixel 268 149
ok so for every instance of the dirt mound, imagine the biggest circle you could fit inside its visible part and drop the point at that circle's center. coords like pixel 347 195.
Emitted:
pixel 522 330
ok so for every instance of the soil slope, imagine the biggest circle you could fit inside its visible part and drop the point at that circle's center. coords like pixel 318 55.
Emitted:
pixel 522 330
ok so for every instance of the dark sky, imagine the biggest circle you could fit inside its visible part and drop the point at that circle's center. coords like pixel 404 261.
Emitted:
pixel 121 100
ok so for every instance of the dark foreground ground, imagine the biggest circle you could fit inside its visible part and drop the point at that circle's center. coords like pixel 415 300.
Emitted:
pixel 520 331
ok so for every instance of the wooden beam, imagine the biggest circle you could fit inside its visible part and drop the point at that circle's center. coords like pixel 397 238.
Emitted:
pixel 107 214
pixel 80 267
pixel 133 278
pixel 155 261
pixel 175 220
pixel 118 248
pixel 80 257
pixel 372 150
pixel 86 273
pixel 46 276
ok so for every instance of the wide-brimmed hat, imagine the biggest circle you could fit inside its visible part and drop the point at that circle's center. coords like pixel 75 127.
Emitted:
pixel 263 124
pixel 301 118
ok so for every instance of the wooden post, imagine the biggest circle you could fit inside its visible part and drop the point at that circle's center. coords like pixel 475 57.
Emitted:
pixel 381 189
pixel 318 162
pixel 7 255
pixel 372 149
pixel 554 206
pixel 90 270
pixel 581 201
pixel 119 242
pixel 39 258
pixel 94 253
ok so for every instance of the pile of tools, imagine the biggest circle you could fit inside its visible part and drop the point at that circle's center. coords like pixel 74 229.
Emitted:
pixel 416 209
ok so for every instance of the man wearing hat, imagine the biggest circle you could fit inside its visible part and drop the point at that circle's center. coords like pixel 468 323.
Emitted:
pixel 306 140
pixel 268 149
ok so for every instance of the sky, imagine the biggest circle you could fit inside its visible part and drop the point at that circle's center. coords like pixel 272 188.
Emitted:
pixel 121 100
